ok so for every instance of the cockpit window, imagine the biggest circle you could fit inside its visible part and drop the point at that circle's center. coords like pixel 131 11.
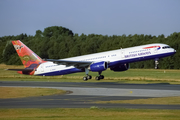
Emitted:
pixel 166 47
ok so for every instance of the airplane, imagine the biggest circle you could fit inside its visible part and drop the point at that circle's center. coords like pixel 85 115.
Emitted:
pixel 116 60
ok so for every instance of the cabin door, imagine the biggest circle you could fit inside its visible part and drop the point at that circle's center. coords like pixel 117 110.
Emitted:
pixel 122 53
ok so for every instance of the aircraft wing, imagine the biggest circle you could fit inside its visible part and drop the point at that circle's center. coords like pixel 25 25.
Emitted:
pixel 77 64
pixel 24 70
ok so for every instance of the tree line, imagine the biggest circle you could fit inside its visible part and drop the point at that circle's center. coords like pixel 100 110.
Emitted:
pixel 58 42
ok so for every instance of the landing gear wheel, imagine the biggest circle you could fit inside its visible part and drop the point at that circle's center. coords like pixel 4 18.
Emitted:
pixel 85 78
pixel 97 78
pixel 156 67
pixel 101 76
pixel 89 76
pixel 156 63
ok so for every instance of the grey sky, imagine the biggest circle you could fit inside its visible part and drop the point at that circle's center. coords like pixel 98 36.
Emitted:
pixel 106 17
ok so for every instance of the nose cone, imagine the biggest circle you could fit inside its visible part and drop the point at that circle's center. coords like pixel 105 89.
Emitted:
pixel 174 51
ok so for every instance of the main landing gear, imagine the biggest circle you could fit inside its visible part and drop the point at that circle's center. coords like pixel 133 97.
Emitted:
pixel 87 77
pixel 100 76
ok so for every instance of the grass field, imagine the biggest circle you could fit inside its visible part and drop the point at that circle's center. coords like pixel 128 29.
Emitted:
pixel 88 114
pixel 129 76
pixel 20 92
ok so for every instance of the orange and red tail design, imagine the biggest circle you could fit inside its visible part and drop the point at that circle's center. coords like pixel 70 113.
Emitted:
pixel 27 56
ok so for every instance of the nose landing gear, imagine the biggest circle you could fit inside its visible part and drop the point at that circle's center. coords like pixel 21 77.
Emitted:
pixel 156 63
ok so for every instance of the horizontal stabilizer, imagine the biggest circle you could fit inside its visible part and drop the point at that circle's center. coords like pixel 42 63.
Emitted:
pixel 23 70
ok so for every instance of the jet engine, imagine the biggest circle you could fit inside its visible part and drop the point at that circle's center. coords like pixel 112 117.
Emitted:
pixel 121 67
pixel 99 66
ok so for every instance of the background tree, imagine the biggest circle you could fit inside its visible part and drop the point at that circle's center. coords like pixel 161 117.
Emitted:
pixel 58 42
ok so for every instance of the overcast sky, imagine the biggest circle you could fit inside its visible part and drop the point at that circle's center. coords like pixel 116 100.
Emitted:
pixel 106 17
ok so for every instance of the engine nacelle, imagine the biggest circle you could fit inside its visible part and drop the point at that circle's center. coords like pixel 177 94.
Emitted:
pixel 99 66
pixel 121 67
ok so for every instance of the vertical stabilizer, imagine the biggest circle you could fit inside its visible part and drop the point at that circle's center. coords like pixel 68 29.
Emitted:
pixel 27 56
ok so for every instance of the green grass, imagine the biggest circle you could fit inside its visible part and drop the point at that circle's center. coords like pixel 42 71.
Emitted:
pixel 20 92
pixel 88 114
pixel 129 76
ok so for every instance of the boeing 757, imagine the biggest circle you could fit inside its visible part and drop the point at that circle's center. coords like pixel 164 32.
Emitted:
pixel 116 60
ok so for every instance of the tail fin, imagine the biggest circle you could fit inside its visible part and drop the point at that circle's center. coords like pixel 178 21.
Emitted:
pixel 27 56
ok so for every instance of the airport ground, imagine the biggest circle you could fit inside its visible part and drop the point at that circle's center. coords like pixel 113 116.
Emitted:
pixel 130 76
pixel 80 103
pixel 118 96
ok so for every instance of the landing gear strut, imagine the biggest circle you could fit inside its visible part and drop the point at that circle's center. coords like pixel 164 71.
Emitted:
pixel 100 76
pixel 85 78
pixel 156 63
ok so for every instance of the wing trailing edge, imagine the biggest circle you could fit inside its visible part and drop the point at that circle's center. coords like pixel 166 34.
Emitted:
pixel 23 70
pixel 77 64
